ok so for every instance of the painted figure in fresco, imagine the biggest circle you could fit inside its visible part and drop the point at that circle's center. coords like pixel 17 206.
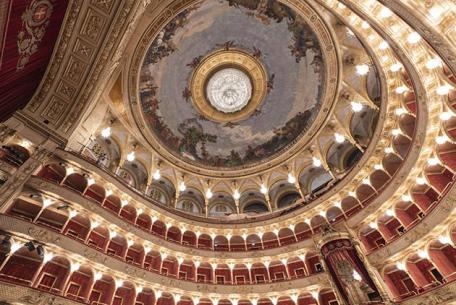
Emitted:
pixel 357 290
pixel 191 140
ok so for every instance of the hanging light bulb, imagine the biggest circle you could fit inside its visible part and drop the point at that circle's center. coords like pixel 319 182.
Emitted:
pixel 106 132
pixel 339 138
pixel 263 189
pixel 236 195
pixel 156 175
pixel 131 156
pixel 182 186
pixel 362 69
pixel 356 106
pixel 316 162
pixel 291 178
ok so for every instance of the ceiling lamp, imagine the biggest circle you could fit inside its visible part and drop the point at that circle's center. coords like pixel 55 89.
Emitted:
pixel 362 69
pixel 433 63
pixel 445 239
pixel 291 178
pixel 373 225
pixel 400 266
pixel 338 204
pixel 131 156
pixel 423 254
pixel 263 189
pixel 389 213
pixel 156 175
pixel 339 138
pixel 316 162
pixel 182 186
pixel 90 181
pixel 356 106
pixel 106 132
pixel 413 38
pixel 236 195
pixel 209 194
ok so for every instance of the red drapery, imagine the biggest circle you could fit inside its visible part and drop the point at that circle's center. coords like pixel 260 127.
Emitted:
pixel 30 29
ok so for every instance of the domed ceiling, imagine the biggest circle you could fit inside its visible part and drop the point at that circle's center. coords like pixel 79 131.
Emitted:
pixel 231 84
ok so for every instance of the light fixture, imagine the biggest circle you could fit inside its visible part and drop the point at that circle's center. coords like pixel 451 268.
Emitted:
pixel 47 202
pixel 444 89
pixel 123 202
pixel 395 132
pixel 441 139
pixel 445 116
pixel 316 162
pixel 396 67
pixel 413 38
pixel 356 106
pixel 98 275
pixel 356 276
pixel 72 214
pixel 433 63
pixel 90 181
pixel 108 193
pixel 400 266
pixel 291 178
pixel 433 161
pixel 400 111
pixel 48 256
pixel 314 294
pixel 383 45
pixel 406 198
pixel 378 166
pixel 131 156
pixel 338 204
pixel 390 212
pixel 445 239
pixel 436 12
pixel 263 189
pixel 362 69
pixel 389 150
pixel 365 25
pixel 106 132
pixel 423 254
pixel 119 283
pixel 75 266
pixel 385 12
pixel 158 294
pixel 322 214
pixel 401 89
pixel 339 138
pixel 366 181
pixel 156 175
pixel 236 195
pixel 209 194
pixel 69 170
pixel 182 186
pixel 421 180
pixel 373 225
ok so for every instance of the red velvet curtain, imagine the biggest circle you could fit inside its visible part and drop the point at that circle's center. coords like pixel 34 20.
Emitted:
pixel 343 250
pixel 31 26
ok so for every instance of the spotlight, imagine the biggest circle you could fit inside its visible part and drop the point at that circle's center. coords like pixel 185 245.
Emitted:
pixel 30 246
pixel 40 250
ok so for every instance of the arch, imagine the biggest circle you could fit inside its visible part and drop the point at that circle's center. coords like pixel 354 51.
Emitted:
pixel 21 267
pixel 255 207
pixel 287 199
pixel 78 227
pixel 117 246
pixel 53 275
pixel 76 182
pixel 103 290
pixel 144 221
pixel 96 192
pixel 253 242
pixel 189 238
pixel 53 172
pixel 14 154
pixel 79 284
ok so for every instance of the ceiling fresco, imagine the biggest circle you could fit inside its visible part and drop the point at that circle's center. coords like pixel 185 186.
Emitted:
pixel 269 31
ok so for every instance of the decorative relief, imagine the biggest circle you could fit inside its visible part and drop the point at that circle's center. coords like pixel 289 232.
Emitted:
pixel 104 5
pixel 92 26
pixel 35 19
pixel 66 90
pixel 43 235
pixel 83 49
pixel 56 108
pixel 75 70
